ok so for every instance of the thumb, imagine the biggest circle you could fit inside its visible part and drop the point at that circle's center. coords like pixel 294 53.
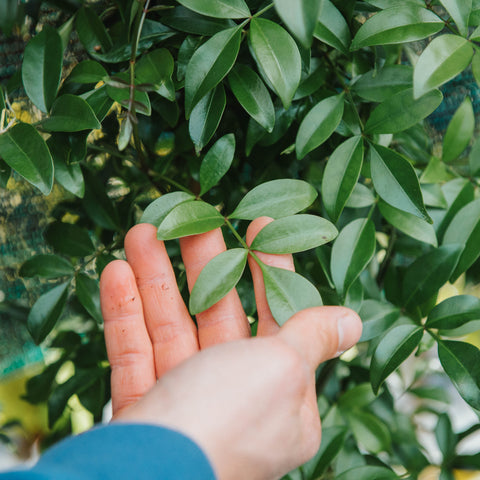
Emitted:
pixel 321 333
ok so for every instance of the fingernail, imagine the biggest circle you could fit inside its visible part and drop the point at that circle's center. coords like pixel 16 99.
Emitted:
pixel 348 331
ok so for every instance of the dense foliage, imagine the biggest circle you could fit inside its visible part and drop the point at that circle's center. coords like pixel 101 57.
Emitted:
pixel 198 114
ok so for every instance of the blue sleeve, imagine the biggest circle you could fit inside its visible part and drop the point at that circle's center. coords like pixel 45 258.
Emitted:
pixel 121 452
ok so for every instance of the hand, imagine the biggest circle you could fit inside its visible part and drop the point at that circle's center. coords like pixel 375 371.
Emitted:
pixel 249 403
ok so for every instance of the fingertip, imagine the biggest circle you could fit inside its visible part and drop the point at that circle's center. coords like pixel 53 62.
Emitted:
pixel 139 233
pixel 255 227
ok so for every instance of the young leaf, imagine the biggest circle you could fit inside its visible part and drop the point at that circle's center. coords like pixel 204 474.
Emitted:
pixel 395 181
pixel 352 251
pixel 294 234
pixel 47 266
pixel 461 362
pixel 69 239
pixel 288 293
pixel 277 57
pixel 454 312
pixel 394 348
pixel 88 294
pixel 157 68
pixel 218 8
pixel 341 175
pixel 46 311
pixel 217 278
pixel 459 131
pixel 319 124
pixel 368 472
pixel 443 59
pixel 87 71
pixel 398 24
pixel 460 11
pixel 332 27
pixel 24 149
pixel 369 431
pixel 252 95
pixel 210 64
pixel 217 162
pixel 189 218
pixel 156 212
pixel 276 199
pixel 42 67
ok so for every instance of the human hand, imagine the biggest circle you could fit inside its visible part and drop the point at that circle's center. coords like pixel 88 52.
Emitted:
pixel 249 403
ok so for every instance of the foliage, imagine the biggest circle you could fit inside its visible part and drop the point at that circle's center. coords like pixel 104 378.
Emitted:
pixel 199 114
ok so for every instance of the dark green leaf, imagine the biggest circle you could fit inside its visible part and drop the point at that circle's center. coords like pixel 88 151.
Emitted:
pixel 156 68
pixel 122 96
pixel 276 199
pixel 217 278
pixel 88 293
pixel 377 317
pixel 87 71
pixel 100 102
pixel 454 312
pixel 332 27
pixel 2 102
pixel 69 239
pixel 460 11
pixel 68 175
pixel 92 32
pixel 218 8
pixel 5 173
pixel 47 266
pixel 474 159
pixel 312 80
pixel 446 439
pixel 156 212
pixel 368 472
pixel 370 432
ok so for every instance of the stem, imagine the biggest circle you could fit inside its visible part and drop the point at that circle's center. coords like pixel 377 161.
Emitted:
pixel 238 237
pixel 263 10
pixel 174 183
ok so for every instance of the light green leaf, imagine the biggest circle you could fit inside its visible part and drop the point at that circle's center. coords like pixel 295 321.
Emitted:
pixel 156 68
pixel 443 59
pixel 46 266
pixel 460 11
pixel 218 8
pixel 454 312
pixel 87 71
pixel 332 27
pixel 276 199
pixel 377 317
pixel 398 24
pixel 189 218
pixel 294 234
pixel 370 432
pixel 319 124
pixel 277 57
pixel 341 175
pixel 361 197
pixel 217 162
pixel 217 278
pixel 368 472
pixel 156 212
pixel 24 149
pixel 88 294
pixel 474 159
pixel 433 195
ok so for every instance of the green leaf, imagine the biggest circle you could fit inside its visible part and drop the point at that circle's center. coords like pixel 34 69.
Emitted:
pixel 70 113
pixel 288 293
pixel 46 311
pixel 2 102
pixel 122 95
pixel 276 199
pixel 92 32
pixel 398 24
pixel 294 234
pixel 407 223
pixel 217 278
pixel 88 294
pixel 359 396
pixel 370 432
pixel 189 218
pixel 396 182
pixel 47 266
pixel 361 197
pixel 42 67
pixel 454 312
pixel 156 212
pixel 394 348
pixel 424 277
pixel 460 11
pixel 210 64
pixel 87 71
pixel 464 230
pixel 352 251
pixel 368 472
pixel 252 95
pixel 100 101
pixel 206 116
pixel 69 239
pixel 156 68
pixel 300 18
pixel 446 439
pixel 461 362
pixel 312 81
pixel 341 175
pixel 332 27
pixel 380 85
pixel 277 57
pixel 377 317
pixel 459 131
pixel 218 8
pixel 474 159
pixel 24 149
pixel 443 59
pixel 319 124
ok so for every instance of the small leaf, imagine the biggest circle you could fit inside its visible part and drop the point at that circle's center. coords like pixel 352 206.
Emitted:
pixel 332 27
pixel 88 294
pixel 460 11
pixel 217 278
pixel 218 8
pixel 189 218
pixel 288 293
pixel 69 239
pixel 156 212
pixel 47 266
pixel 377 317
pixel 443 59
pixel 121 94
pixel 24 149
pixel 156 68
pixel 276 199
pixel 87 71
pixel 394 348
pixel 319 124
pixel 294 234
pixel 368 472
pixel 277 57
pixel 217 162
pixel 454 312
pixel 370 432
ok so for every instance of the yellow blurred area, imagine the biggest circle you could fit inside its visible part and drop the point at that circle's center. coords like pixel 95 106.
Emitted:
pixel 433 473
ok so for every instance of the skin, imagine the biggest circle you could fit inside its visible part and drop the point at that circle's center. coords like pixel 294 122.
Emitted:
pixel 249 403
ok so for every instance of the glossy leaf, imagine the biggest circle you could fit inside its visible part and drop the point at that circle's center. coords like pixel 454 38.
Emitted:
pixel 217 278
pixel 460 11
pixel 395 181
pixel 332 27
pixel 277 57
pixel 377 317
pixel 443 59
pixel 218 8
pixel 87 71
pixel 252 95
pixel 294 234
pixel 276 199
pixel 156 68
pixel 88 293
pixel 189 218
pixel 47 266
pixel 24 149
pixel 42 67
pixel 210 64
pixel 398 24
pixel 394 348
pixel 69 239
pixel 156 212
pixel 319 124
pixel 454 312
pixel 341 175
pixel 352 251
pixel 91 31
pixel 369 431
pixel 368 472
pixel 68 173
pixel 461 362
pixel 361 197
